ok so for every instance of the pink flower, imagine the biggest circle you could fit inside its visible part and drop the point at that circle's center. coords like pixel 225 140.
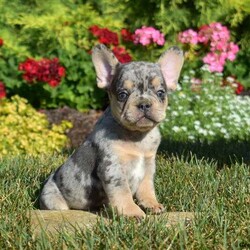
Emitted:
pixel 148 35
pixel 188 36
pixel 214 33
pixel 217 37
pixel 232 50
pixel 215 62
pixel 196 81
pixel 204 34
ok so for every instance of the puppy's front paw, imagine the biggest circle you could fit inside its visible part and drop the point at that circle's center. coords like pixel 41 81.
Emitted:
pixel 152 206
pixel 131 211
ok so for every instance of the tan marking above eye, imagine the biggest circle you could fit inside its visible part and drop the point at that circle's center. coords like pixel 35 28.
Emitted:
pixel 129 85
pixel 156 82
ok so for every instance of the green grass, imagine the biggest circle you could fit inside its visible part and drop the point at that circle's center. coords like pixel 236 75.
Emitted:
pixel 221 199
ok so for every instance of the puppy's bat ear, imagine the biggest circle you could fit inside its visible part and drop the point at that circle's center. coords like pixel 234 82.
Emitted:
pixel 105 64
pixel 171 62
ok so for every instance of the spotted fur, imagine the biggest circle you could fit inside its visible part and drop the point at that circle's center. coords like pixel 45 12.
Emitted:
pixel 116 163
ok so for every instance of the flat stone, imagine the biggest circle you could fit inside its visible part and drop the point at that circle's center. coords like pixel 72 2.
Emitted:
pixel 52 222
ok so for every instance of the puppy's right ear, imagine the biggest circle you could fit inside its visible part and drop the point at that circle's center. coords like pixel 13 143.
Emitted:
pixel 105 64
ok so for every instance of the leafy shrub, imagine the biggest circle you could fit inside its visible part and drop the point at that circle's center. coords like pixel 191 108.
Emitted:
pixel 23 130
pixel 67 30
pixel 53 29
pixel 207 112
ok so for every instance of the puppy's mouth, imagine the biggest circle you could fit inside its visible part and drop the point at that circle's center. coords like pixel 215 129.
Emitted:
pixel 146 118
pixel 146 121
pixel 141 121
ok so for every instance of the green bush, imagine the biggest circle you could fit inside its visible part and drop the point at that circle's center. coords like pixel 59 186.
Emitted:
pixel 52 29
pixel 60 29
pixel 207 112
pixel 23 130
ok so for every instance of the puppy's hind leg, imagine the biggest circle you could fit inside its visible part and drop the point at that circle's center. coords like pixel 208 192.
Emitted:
pixel 51 198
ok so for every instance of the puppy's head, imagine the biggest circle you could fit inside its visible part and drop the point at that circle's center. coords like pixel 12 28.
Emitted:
pixel 137 90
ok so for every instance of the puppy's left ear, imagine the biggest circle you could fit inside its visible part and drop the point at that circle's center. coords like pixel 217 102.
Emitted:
pixel 171 63
pixel 105 64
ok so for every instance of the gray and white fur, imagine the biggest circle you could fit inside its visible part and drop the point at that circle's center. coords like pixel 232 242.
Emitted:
pixel 116 163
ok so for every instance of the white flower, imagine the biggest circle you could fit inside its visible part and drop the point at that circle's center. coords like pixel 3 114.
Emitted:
pixel 211 133
pixel 218 109
pixel 178 87
pixel 185 77
pixel 206 113
pixel 230 79
pixel 218 74
pixel 205 67
pixel 189 112
pixel 191 137
pixel 183 128
pixel 223 131
pixel 175 113
pixel 203 131
pixel 197 122
pixel 176 129
pixel 218 125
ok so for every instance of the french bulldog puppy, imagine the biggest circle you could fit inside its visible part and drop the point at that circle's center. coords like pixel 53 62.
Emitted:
pixel 116 163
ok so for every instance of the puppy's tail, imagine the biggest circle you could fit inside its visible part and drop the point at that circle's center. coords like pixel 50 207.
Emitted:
pixel 51 198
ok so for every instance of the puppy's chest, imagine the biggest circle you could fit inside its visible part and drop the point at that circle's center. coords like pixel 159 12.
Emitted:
pixel 135 158
pixel 135 171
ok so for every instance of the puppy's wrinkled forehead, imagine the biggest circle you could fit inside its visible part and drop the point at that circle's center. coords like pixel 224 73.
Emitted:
pixel 138 75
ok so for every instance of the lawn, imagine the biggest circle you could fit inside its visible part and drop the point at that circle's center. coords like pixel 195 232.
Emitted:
pixel 220 198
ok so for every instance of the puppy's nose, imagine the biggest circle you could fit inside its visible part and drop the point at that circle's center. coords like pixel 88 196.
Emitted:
pixel 144 107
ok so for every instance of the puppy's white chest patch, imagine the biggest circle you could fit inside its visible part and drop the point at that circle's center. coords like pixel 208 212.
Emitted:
pixel 136 174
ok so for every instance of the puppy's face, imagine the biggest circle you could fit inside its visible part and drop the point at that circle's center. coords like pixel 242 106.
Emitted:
pixel 138 95
pixel 137 90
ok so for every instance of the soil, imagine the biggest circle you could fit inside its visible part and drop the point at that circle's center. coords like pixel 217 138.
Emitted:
pixel 83 122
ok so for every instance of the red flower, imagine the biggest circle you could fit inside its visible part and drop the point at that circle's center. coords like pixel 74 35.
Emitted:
pixel 1 42
pixel 233 83
pixel 239 88
pixel 104 35
pixel 2 90
pixel 61 71
pixel 95 30
pixel 53 83
pixel 44 70
pixel 122 55
pixel 127 36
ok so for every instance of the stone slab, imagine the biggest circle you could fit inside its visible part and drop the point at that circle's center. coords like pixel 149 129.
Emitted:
pixel 53 221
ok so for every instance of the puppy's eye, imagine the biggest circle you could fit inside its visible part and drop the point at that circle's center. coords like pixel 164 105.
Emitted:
pixel 122 96
pixel 160 93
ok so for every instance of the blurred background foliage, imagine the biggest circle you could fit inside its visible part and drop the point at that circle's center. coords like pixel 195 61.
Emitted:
pixel 60 28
